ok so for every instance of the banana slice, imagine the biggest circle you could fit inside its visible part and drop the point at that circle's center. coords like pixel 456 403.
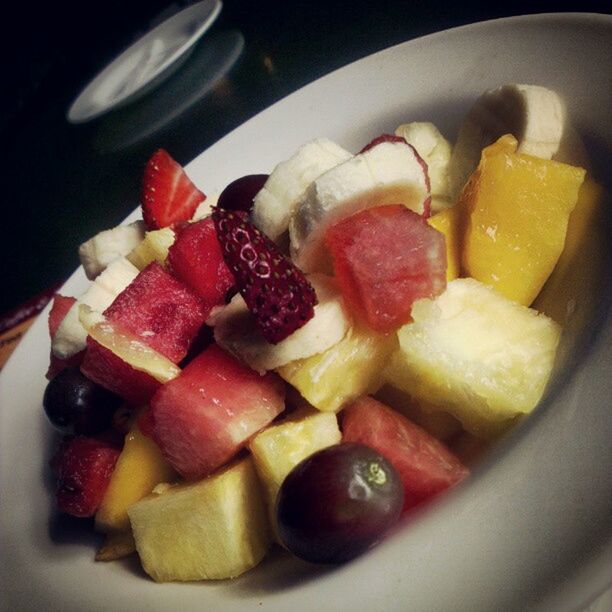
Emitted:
pixel 534 115
pixel 389 173
pixel 436 151
pixel 275 203
pixel 235 330
pixel 71 335
pixel 98 252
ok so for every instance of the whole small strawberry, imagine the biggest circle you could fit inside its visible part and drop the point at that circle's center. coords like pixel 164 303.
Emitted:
pixel 277 293
pixel 83 467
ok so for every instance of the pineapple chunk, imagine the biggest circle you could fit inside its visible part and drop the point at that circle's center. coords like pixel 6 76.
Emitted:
pixel 278 449
pixel 212 529
pixel 517 209
pixel 476 355
pixel 154 247
pixel 448 223
pixel 350 368
pixel 139 468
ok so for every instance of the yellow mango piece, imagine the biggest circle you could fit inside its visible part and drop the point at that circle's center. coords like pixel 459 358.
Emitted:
pixel 350 368
pixel 154 247
pixel 279 448
pixel 139 468
pixel 576 270
pixel 517 208
pixel 208 530
pixel 448 223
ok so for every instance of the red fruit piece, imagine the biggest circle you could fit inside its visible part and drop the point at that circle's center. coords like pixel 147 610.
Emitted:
pixel 83 467
pixel 102 366
pixel 394 138
pixel 275 290
pixel 384 259
pixel 59 309
pixel 202 418
pixel 168 195
pixel 239 194
pixel 196 259
pixel 425 465
pixel 160 310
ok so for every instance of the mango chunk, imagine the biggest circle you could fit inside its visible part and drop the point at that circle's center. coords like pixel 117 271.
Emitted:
pixel 279 448
pixel 350 368
pixel 476 355
pixel 448 222
pixel 517 208
pixel 208 530
pixel 138 470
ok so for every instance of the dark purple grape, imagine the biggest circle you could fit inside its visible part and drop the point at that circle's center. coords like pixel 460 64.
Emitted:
pixel 239 194
pixel 76 405
pixel 337 503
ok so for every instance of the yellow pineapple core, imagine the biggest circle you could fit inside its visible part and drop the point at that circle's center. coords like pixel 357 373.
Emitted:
pixel 154 247
pixel 208 530
pixel 477 355
pixel 517 208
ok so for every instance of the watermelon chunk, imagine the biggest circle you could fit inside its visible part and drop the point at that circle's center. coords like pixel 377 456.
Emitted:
pixel 202 418
pixel 159 309
pixel 102 366
pixel 425 465
pixel 196 259
pixel 59 309
pixel 385 258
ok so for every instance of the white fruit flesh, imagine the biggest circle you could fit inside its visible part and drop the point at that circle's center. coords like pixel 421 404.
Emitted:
pixel 236 332
pixel 71 335
pixel 212 529
pixel 436 151
pixel 98 252
pixel 276 202
pixel 476 355
pixel 534 115
pixel 389 173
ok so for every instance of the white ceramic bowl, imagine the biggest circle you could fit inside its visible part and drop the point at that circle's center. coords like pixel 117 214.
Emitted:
pixel 532 527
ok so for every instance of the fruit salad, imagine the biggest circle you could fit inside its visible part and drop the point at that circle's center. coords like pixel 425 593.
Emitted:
pixel 315 353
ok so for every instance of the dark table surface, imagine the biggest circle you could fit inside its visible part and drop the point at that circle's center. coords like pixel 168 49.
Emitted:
pixel 62 183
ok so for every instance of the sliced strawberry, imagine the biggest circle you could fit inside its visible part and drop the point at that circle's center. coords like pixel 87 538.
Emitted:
pixel 168 195
pixel 196 259
pixel 275 290
pixel 425 465
pixel 83 467
pixel 393 138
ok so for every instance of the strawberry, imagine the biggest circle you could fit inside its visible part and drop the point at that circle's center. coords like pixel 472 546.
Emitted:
pixel 393 138
pixel 275 290
pixel 83 467
pixel 168 195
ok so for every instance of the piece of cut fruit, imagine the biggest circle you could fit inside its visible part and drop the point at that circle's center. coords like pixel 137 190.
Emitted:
pixel 139 468
pixel 196 259
pixel 279 448
pixel 425 465
pixel 154 247
pixel 208 530
pixel 59 309
pixel 160 311
pixel 384 259
pixel 352 367
pixel 477 355
pixel 203 417
pixel 449 222
pixel 116 546
pixel 517 209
